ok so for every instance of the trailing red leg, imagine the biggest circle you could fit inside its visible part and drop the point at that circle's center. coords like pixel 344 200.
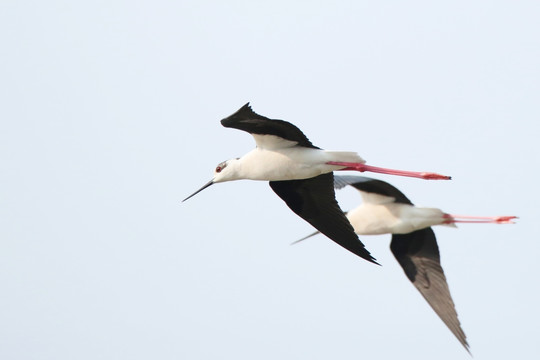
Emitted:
pixel 478 219
pixel 363 167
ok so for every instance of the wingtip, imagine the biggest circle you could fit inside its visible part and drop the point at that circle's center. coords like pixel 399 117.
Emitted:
pixel 244 113
pixel 370 258
pixel 466 346
pixel 245 107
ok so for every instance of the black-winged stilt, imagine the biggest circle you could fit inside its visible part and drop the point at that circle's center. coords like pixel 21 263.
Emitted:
pixel 299 172
pixel 384 210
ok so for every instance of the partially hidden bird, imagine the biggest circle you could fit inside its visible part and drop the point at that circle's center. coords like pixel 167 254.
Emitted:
pixel 386 210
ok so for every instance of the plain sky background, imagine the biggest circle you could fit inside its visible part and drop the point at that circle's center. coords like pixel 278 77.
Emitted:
pixel 109 117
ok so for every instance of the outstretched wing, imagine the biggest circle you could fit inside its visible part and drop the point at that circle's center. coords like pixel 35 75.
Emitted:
pixel 314 200
pixel 247 120
pixel 418 255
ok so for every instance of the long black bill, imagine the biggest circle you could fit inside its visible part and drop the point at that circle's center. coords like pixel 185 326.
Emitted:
pixel 305 237
pixel 201 189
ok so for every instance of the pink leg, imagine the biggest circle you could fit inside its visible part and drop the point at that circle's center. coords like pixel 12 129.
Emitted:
pixel 479 219
pixel 363 167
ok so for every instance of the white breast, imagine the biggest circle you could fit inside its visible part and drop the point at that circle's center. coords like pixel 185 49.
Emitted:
pixel 290 163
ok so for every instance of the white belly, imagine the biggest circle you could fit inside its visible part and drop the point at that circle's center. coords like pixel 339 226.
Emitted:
pixel 375 219
pixel 291 163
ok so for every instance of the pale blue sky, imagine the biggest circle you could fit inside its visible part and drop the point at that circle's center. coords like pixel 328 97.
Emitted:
pixel 110 117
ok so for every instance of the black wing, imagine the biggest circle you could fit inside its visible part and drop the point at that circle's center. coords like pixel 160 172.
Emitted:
pixel 370 185
pixel 247 120
pixel 418 255
pixel 314 200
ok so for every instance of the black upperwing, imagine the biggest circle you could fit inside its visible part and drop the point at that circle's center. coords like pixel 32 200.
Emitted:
pixel 370 185
pixel 247 120
pixel 418 255
pixel 314 200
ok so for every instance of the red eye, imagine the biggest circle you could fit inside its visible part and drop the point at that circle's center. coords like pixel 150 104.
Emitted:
pixel 218 169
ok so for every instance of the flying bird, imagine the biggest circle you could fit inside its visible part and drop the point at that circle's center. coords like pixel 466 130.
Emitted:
pixel 385 209
pixel 299 173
